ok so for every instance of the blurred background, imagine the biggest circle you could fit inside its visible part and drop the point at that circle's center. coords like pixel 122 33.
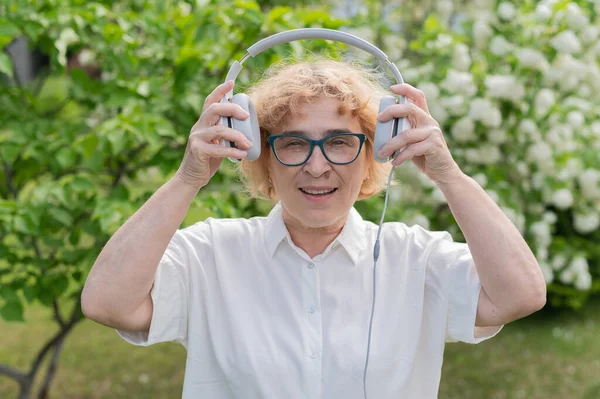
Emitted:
pixel 97 99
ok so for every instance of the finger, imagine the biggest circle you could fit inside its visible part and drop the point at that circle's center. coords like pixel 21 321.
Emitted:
pixel 403 139
pixel 413 150
pixel 221 151
pixel 416 95
pixel 217 94
pixel 218 133
pixel 415 114
pixel 216 110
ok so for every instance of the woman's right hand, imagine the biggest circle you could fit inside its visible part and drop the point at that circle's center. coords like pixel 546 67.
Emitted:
pixel 204 153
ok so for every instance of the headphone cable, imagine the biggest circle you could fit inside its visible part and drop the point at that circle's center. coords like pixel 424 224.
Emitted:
pixel 375 257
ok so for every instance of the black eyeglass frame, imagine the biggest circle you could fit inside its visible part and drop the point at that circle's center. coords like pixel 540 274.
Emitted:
pixel 361 136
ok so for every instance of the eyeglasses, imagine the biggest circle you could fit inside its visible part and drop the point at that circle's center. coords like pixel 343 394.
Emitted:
pixel 339 148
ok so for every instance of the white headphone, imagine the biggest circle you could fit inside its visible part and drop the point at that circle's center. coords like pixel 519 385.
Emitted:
pixel 249 126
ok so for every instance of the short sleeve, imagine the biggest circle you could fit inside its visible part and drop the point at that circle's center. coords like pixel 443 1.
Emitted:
pixel 461 289
pixel 170 295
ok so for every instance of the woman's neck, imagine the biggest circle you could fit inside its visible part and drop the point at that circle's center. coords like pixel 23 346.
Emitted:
pixel 312 240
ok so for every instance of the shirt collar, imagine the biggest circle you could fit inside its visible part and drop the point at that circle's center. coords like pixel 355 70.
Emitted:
pixel 352 236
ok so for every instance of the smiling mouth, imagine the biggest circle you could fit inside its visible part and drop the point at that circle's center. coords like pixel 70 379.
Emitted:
pixel 318 193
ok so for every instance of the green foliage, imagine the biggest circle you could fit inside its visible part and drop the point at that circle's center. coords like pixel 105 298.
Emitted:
pixel 514 86
pixel 83 146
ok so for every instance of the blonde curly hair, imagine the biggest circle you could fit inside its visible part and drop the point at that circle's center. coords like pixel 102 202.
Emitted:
pixel 287 85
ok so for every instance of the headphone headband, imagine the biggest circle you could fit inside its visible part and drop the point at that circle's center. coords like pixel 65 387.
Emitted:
pixel 311 33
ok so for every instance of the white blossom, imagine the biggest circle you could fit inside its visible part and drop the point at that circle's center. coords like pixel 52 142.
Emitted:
pixel 500 46
pixel 497 136
pixel 438 112
pixel 550 217
pixel 583 281
pixel 438 196
pixel 541 232
pixel 493 195
pixel 485 4
pixel 575 18
pixel 543 101
pixel 575 119
pixel 579 265
pixel 461 59
pixel 486 154
pixel 463 129
pixel 559 261
pixel 562 199
pixel 431 91
pixel 588 181
pixel 483 110
pixel 504 86
pixel 567 276
pixel 455 105
pixel 421 220
pixel 586 222
pixel 589 34
pixel 482 33
pixel 541 154
pixel 528 127
pixel 507 11
pixel 445 7
pixel 481 179
pixel 543 12
pixel 579 103
pixel 531 58
pixel 566 42
pixel 459 82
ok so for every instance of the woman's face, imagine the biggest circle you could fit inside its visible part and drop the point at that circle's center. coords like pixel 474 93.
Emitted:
pixel 296 186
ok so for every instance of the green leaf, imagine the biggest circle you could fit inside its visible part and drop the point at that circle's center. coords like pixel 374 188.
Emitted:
pixel 6 65
pixel 8 32
pixel 9 294
pixel 432 24
pixel 62 216
pixel 77 275
pixel 89 144
pixel 82 184
pixel 58 284
pixel 74 236
pixel 25 224
pixel 66 157
pixel 12 311
pixel 30 292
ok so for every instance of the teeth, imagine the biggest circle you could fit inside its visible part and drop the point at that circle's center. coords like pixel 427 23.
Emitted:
pixel 317 192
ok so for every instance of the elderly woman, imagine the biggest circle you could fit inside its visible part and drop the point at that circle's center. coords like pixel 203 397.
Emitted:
pixel 279 306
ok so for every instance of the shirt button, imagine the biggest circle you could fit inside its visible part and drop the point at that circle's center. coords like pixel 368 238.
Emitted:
pixel 311 309
pixel 314 355
pixel 311 265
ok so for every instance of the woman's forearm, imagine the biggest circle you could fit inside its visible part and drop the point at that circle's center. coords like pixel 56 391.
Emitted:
pixel 123 274
pixel 507 268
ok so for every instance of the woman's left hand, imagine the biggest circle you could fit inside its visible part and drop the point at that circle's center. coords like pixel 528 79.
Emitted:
pixel 424 141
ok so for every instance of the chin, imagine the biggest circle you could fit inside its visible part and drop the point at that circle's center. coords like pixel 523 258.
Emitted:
pixel 319 217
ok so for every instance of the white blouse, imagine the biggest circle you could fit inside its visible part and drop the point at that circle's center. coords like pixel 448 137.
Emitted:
pixel 261 319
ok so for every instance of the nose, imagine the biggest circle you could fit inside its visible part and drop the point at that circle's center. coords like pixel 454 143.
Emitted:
pixel 317 164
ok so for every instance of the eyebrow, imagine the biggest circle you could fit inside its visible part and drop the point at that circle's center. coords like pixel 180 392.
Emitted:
pixel 325 133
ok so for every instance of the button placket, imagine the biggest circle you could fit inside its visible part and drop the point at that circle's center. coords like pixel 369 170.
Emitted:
pixel 311 298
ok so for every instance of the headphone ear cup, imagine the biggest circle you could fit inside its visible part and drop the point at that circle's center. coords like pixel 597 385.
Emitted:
pixel 384 130
pixel 249 126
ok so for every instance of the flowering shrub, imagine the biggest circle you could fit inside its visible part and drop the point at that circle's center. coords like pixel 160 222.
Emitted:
pixel 516 89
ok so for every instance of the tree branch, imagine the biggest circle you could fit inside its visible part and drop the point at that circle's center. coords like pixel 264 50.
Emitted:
pixel 57 316
pixel 20 376
pixel 9 177
pixel 44 390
